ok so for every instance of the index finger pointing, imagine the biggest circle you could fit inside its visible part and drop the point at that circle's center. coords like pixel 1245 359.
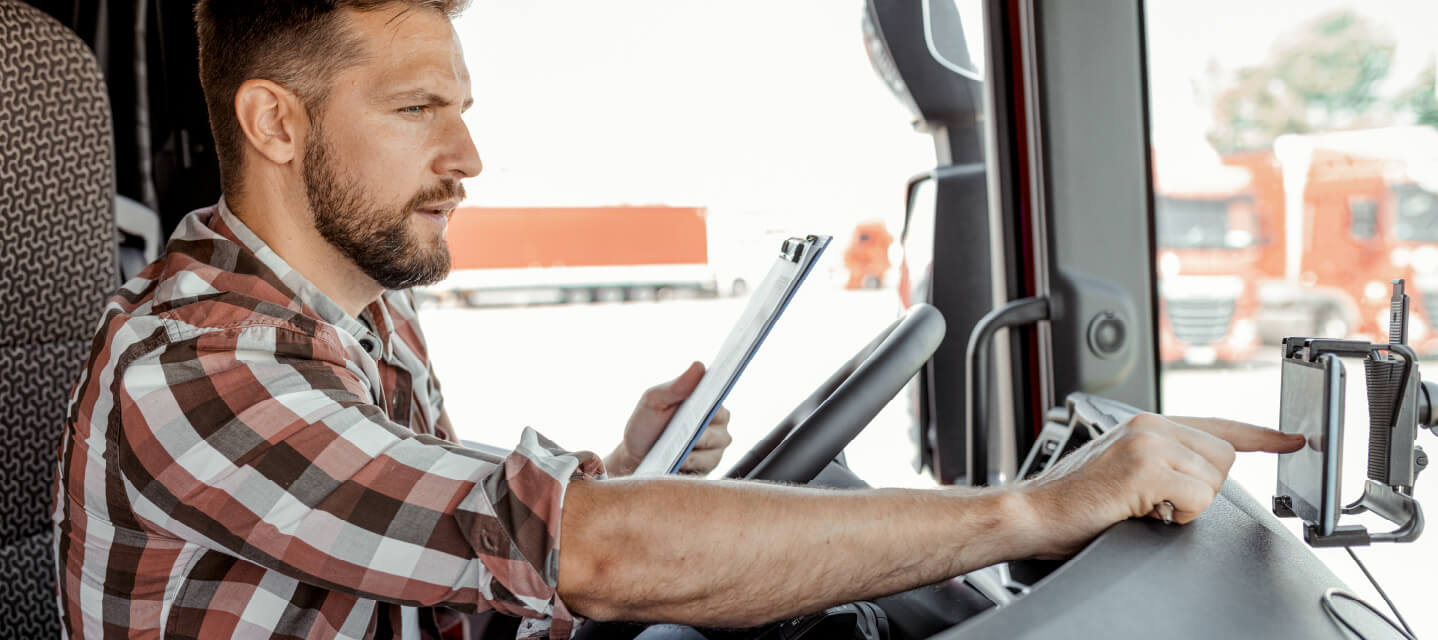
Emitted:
pixel 1244 436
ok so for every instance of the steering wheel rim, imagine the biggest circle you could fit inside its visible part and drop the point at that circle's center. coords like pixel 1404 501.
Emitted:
pixel 802 445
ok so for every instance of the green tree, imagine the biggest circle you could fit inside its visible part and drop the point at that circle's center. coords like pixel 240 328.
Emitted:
pixel 1323 76
pixel 1421 98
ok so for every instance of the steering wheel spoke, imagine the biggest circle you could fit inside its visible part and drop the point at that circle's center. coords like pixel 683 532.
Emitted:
pixel 817 431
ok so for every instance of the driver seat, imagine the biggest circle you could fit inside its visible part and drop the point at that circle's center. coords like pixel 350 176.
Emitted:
pixel 57 263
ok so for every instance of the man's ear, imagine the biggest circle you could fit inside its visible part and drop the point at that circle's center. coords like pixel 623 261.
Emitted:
pixel 272 118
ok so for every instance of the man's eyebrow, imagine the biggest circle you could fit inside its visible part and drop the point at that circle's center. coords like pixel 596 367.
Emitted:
pixel 425 96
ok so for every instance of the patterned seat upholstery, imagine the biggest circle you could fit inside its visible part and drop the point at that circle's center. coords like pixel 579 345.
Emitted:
pixel 57 263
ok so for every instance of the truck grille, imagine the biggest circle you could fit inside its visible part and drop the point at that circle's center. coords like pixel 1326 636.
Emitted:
pixel 1200 321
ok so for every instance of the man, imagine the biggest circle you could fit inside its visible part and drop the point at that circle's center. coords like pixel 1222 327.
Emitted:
pixel 258 446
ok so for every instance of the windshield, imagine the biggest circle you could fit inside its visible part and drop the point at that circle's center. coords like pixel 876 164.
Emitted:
pixel 1417 213
pixel 1197 224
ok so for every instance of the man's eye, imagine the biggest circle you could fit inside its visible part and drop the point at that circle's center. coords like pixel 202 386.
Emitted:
pixel 416 110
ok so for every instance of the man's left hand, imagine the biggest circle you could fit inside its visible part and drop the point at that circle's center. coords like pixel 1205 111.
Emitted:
pixel 655 407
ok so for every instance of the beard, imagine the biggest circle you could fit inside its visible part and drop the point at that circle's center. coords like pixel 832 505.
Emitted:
pixel 375 237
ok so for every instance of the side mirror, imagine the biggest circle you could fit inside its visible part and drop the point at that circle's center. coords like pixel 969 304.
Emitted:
pixel 910 192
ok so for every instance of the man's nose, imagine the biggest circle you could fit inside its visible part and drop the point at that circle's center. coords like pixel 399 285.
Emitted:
pixel 461 158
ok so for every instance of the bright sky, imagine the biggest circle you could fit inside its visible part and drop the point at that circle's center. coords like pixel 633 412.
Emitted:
pixel 766 112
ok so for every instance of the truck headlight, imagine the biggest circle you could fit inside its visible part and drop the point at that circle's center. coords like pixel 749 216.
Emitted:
pixel 1375 291
pixel 1244 333
pixel 1400 257
pixel 1169 265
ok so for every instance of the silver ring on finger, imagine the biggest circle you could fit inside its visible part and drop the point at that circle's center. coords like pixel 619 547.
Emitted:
pixel 1165 511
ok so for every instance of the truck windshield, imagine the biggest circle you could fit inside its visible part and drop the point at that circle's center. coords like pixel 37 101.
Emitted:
pixel 1417 214
pixel 1192 224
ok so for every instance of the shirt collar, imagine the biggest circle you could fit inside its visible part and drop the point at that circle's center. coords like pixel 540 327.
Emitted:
pixel 306 293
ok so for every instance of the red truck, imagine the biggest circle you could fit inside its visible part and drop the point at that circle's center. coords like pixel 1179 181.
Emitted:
pixel 867 256
pixel 529 255
pixel 1207 224
pixel 1342 214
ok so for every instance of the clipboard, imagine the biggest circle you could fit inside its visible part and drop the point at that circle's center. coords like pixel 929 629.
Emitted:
pixel 796 259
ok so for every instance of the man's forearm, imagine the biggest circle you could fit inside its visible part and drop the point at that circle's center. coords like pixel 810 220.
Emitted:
pixel 740 553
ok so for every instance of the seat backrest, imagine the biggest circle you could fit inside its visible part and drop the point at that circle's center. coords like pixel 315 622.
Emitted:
pixel 57 263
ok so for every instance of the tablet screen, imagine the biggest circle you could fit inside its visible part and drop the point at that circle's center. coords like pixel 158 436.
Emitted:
pixel 1312 404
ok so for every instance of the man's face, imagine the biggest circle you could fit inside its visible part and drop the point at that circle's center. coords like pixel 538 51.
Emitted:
pixel 388 148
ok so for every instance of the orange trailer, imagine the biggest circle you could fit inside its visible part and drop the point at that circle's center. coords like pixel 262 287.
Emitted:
pixel 525 255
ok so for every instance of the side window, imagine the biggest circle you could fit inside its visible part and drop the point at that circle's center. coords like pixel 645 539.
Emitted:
pixel 606 247
pixel 1363 218
pixel 1417 215
pixel 1322 116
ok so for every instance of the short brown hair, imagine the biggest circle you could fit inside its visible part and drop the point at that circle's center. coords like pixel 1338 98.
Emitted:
pixel 298 44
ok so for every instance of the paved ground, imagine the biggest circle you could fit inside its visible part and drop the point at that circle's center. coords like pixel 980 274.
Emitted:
pixel 574 373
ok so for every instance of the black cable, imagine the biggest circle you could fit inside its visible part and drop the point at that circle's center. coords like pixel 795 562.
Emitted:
pixel 1328 608
pixel 1327 602
pixel 1361 566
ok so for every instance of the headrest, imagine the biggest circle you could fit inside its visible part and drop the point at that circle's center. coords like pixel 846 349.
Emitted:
pixel 57 233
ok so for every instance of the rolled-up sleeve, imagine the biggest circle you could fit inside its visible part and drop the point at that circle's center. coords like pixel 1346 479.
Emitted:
pixel 262 443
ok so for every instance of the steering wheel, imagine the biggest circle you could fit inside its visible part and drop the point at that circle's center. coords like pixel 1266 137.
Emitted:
pixel 805 443
pixel 817 430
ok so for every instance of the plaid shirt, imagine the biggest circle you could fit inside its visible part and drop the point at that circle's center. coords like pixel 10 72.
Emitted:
pixel 244 459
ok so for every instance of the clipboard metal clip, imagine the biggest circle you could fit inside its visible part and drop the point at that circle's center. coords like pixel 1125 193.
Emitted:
pixel 793 248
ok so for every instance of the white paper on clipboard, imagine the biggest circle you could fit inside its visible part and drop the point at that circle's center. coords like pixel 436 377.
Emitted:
pixel 796 259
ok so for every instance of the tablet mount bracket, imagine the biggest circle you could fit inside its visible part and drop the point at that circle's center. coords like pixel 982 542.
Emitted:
pixel 1399 402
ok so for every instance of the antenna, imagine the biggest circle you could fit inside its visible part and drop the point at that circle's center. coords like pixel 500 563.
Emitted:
pixel 1398 315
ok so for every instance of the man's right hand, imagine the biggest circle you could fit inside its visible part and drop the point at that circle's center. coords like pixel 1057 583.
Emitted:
pixel 1132 469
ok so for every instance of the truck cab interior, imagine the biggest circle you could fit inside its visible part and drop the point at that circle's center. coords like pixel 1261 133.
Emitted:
pixel 1028 273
